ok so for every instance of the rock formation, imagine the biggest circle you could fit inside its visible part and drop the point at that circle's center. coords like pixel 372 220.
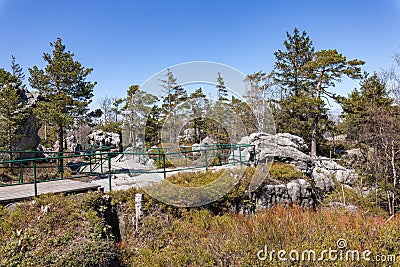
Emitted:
pixel 283 147
pixel 291 149
pixel 101 138
pixel 29 130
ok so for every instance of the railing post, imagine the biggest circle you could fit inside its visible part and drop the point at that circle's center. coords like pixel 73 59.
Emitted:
pixel 90 164
pixel 233 155
pixel 21 178
pixel 165 173
pixel 101 162
pixel 34 179
pixel 158 155
pixel 109 171
pixel 240 156
pixel 205 158
pixel 184 151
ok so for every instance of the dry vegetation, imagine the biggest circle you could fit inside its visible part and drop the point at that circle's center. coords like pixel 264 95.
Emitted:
pixel 82 230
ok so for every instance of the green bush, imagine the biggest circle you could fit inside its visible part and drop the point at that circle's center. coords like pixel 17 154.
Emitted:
pixel 69 233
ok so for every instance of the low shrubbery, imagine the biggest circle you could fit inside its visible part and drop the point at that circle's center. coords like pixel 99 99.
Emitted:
pixel 83 230
pixel 57 231
pixel 285 172
pixel 198 238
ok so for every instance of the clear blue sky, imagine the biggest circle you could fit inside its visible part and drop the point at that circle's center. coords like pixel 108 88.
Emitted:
pixel 128 41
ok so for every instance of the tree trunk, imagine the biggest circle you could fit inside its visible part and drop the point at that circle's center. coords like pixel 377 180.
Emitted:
pixel 315 121
pixel 45 131
pixel 394 173
pixel 314 136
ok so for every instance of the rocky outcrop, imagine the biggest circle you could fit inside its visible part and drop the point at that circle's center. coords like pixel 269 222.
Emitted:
pixel 327 171
pixel 101 138
pixel 299 192
pixel 207 142
pixel 70 144
pixel 28 130
pixel 191 135
pixel 291 149
pixel 283 147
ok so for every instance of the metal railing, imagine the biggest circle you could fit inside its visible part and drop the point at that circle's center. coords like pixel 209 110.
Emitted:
pixel 96 161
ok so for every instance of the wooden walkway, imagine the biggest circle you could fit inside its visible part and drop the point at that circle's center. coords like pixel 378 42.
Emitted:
pixel 25 191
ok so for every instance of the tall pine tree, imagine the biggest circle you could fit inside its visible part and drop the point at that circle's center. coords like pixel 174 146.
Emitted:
pixel 174 100
pixel 294 106
pixel 327 68
pixel 13 113
pixel 64 86
pixel 221 89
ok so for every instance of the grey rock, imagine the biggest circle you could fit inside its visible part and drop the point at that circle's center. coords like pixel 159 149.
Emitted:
pixel 270 195
pixel 28 130
pixel 151 164
pixel 282 147
pixel 301 193
pixel 98 137
pixel 326 171
pixel 297 192
pixel 71 143
pixel 207 142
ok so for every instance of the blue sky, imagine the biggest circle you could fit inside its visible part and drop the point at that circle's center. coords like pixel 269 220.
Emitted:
pixel 126 42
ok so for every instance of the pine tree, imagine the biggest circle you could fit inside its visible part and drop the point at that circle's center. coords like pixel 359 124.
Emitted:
pixel 174 104
pixel 288 68
pixel 198 103
pixel 221 89
pixel 13 113
pixel 138 105
pixel 372 94
pixel 63 84
pixel 153 126
pixel 17 71
pixel 116 109
pixel 293 108
pixel 326 68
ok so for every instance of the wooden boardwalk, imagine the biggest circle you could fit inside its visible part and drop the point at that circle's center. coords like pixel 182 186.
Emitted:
pixel 25 191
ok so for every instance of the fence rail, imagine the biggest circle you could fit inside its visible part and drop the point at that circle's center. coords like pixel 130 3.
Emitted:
pixel 97 161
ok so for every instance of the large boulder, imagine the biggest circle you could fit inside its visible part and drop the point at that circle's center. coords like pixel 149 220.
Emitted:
pixel 301 193
pixel 208 141
pixel 269 195
pixel 327 171
pixel 71 143
pixel 298 191
pixel 189 135
pixel 283 147
pixel 29 130
pixel 101 138
pixel 291 149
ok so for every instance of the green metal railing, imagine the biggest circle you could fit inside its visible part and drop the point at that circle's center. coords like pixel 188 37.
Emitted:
pixel 91 160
